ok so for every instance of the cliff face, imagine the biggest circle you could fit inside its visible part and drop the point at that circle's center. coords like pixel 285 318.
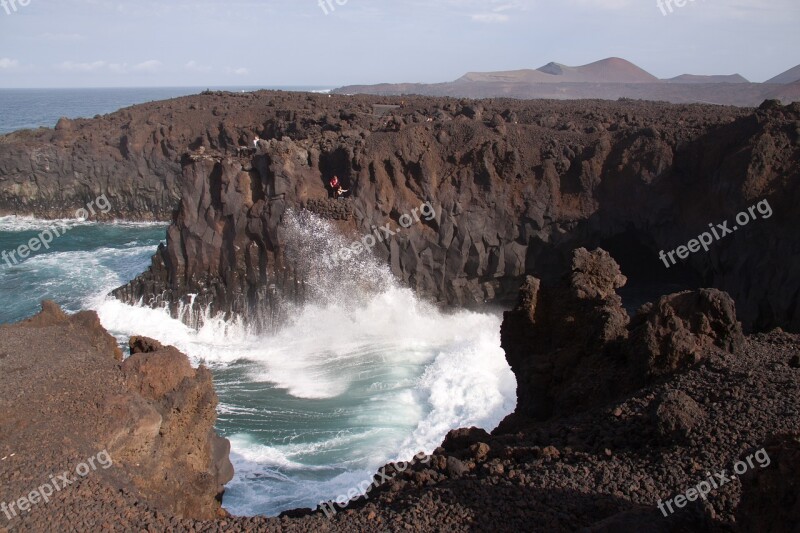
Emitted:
pixel 516 186
pixel 68 398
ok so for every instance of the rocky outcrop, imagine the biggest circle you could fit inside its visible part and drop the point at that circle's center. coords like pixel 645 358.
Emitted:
pixel 572 345
pixel 681 329
pixel 146 425
pixel 185 404
pixel 556 339
pixel 516 186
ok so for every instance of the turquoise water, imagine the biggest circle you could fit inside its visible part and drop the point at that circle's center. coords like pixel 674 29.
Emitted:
pixel 87 262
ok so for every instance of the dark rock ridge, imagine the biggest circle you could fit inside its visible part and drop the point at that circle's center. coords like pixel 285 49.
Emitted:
pixel 67 396
pixel 516 187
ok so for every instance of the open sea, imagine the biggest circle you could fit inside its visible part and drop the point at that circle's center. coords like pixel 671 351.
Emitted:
pixel 356 378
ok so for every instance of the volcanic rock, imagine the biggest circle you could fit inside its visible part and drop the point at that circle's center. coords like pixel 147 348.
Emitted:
pixel 68 399
pixel 681 329
pixel 511 200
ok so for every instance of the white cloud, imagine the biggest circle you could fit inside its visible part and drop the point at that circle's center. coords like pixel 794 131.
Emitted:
pixel 71 66
pixel 151 65
pixel 241 71
pixel 6 62
pixel 119 68
pixel 603 4
pixel 197 67
pixel 490 18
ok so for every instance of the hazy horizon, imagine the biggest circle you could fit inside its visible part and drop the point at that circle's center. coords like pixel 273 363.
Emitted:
pixel 270 43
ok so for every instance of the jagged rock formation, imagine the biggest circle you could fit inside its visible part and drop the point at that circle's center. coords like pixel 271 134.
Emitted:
pixel 573 345
pixel 67 397
pixel 516 187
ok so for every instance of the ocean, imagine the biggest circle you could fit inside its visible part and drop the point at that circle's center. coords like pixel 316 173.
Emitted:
pixel 358 377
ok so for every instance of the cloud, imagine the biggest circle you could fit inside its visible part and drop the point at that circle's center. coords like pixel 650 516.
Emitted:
pixel 119 68
pixel 490 18
pixel 71 66
pixel 6 62
pixel 152 65
pixel 197 67
pixel 241 71
pixel 603 4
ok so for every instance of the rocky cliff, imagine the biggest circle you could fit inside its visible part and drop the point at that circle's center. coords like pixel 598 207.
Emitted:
pixel 516 186
pixel 144 427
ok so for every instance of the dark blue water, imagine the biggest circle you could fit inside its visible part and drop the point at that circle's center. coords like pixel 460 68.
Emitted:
pixel 33 108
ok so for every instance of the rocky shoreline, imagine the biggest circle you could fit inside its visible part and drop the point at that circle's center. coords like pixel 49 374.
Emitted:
pixel 616 413
pixel 516 185
pixel 627 424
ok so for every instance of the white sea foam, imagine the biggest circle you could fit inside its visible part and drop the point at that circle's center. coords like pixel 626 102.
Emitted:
pixel 15 223
pixel 397 372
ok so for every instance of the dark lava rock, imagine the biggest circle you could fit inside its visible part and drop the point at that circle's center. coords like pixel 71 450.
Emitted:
pixel 512 199
pixel 677 415
pixel 555 337
pixel 144 345
pixel 680 330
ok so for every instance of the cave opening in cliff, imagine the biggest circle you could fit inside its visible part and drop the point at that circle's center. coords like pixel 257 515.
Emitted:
pixel 648 278
pixel 336 163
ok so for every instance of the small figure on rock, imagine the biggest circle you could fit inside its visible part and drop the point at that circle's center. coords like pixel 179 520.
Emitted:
pixel 336 187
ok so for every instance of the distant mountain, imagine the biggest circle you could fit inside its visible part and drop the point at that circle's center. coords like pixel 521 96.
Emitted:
pixel 611 70
pixel 790 76
pixel 609 79
pixel 692 78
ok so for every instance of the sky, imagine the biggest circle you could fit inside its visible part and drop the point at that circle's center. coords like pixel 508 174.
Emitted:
pixel 146 43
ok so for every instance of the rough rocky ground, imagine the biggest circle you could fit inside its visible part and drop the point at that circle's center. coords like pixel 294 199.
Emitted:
pixel 67 397
pixel 563 475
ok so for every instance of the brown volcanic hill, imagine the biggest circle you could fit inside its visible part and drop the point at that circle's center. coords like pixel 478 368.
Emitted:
pixel 693 78
pixel 611 70
pixel 790 76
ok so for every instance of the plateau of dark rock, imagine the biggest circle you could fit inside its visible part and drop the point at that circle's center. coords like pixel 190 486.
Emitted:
pixel 516 186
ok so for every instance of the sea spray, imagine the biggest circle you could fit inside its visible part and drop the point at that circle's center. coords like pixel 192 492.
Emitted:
pixel 362 374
